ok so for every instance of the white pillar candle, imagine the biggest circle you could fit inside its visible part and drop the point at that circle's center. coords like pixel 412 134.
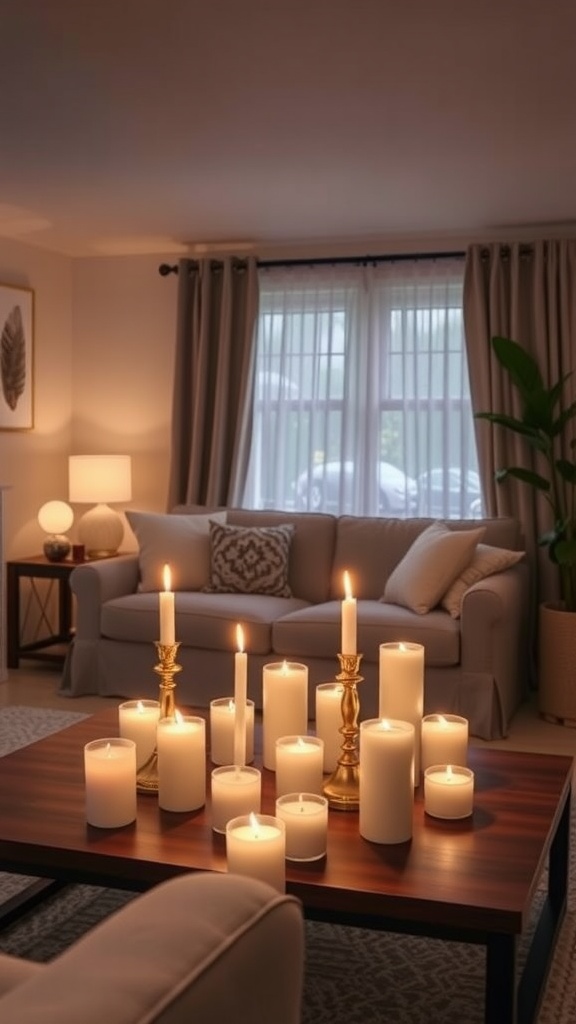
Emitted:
pixel 240 689
pixel 236 790
pixel 305 816
pixel 166 598
pixel 349 622
pixel 256 846
pixel 110 782
pixel 299 764
pixel 402 689
pixel 448 791
pixel 444 740
pixel 222 725
pixel 137 720
pixel 386 788
pixel 329 722
pixel 181 743
pixel 284 705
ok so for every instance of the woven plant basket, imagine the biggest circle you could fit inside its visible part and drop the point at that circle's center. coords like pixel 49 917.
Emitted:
pixel 557 664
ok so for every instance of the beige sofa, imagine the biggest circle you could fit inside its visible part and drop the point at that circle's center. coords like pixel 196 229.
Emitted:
pixel 475 664
pixel 202 947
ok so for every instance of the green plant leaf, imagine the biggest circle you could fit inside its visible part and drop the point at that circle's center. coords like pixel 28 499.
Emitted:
pixel 565 553
pixel 527 476
pixel 521 366
pixel 567 470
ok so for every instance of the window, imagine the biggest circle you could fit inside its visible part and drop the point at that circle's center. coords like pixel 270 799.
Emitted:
pixel 362 402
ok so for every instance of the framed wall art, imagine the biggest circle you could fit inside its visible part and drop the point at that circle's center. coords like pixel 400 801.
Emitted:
pixel 16 358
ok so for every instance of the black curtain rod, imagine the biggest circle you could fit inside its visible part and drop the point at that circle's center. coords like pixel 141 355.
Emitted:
pixel 166 268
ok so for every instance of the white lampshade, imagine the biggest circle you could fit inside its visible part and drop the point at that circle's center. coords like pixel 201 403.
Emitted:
pixel 100 478
pixel 93 478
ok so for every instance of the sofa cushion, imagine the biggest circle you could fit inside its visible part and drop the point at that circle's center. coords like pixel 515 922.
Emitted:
pixel 485 562
pixel 249 560
pixel 206 621
pixel 431 564
pixel 181 541
pixel 311 551
pixel 314 632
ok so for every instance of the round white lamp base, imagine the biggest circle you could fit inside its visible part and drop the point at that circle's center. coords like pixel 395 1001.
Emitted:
pixel 101 531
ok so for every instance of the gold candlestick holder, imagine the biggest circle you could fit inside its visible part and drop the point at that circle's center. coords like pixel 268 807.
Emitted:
pixel 167 669
pixel 342 789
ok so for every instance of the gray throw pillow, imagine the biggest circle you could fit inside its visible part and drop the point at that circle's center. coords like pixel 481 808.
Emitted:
pixel 250 559
pixel 180 541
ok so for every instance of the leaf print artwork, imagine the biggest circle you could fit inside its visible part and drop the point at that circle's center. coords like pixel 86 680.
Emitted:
pixel 13 357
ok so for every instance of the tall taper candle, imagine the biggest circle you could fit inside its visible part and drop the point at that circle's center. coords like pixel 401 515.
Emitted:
pixel 167 627
pixel 240 688
pixel 348 639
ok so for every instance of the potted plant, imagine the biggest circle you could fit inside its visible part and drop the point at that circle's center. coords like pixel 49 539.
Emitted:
pixel 544 422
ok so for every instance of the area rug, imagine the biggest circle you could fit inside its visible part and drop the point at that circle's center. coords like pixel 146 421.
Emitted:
pixel 352 976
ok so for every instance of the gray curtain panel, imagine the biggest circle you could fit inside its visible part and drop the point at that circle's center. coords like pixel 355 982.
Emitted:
pixel 527 293
pixel 213 380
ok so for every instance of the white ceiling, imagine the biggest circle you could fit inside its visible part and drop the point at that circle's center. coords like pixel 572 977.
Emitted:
pixel 133 126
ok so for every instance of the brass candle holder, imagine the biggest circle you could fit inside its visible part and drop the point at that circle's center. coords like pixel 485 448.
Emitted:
pixel 342 789
pixel 167 669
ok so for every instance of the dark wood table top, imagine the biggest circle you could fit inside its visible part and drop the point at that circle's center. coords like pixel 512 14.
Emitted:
pixel 478 874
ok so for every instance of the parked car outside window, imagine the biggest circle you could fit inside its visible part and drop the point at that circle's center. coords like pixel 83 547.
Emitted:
pixel 450 493
pixel 329 487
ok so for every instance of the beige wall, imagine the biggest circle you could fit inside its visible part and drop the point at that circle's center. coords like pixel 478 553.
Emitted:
pixel 32 462
pixel 104 348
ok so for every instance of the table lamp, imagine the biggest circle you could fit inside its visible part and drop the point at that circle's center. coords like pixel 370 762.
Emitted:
pixel 100 479
pixel 55 518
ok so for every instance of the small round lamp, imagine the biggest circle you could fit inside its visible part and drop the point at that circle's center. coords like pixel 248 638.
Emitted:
pixel 55 518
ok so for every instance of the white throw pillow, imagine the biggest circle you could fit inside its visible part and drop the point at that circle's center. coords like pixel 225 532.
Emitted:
pixel 181 541
pixel 430 565
pixel 485 562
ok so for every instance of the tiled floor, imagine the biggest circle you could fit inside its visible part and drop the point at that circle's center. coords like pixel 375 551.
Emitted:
pixel 37 686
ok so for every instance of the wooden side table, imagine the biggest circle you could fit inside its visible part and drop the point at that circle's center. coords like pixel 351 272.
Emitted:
pixel 51 646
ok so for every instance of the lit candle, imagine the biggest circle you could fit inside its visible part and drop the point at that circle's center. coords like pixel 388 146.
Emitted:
pixel 167 627
pixel 348 642
pixel 299 764
pixel 137 720
pixel 402 689
pixel 236 790
pixel 284 705
pixel 240 687
pixel 181 743
pixel 305 816
pixel 448 791
pixel 110 782
pixel 444 740
pixel 222 728
pixel 256 846
pixel 329 721
pixel 386 788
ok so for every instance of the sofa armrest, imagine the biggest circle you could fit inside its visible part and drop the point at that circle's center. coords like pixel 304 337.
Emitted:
pixel 493 632
pixel 96 582
pixel 201 947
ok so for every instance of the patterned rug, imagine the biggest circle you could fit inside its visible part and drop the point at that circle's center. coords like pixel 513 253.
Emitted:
pixel 352 976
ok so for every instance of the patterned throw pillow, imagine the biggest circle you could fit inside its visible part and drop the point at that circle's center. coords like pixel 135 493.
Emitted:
pixel 250 559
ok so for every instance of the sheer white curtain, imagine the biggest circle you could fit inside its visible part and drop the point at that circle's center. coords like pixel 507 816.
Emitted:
pixel 362 400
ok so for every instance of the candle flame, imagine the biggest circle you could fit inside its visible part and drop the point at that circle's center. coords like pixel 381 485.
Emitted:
pixel 167 578
pixel 402 646
pixel 301 802
pixel 231 706
pixel 385 724
pixel 442 721
pixel 254 825
pixel 347 585
pixel 178 717
pixel 449 773
pixel 300 743
pixel 139 707
pixel 284 667
pixel 240 638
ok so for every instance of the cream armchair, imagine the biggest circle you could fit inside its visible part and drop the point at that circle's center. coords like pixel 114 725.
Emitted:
pixel 202 948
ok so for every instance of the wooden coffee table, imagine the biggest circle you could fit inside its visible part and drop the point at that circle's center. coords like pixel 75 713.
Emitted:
pixel 471 881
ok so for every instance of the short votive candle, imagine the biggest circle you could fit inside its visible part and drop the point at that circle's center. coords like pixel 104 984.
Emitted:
pixel 256 846
pixel 222 722
pixel 138 720
pixel 181 743
pixel 110 782
pixel 299 765
pixel 305 816
pixel 329 722
pixel 444 740
pixel 235 790
pixel 448 791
